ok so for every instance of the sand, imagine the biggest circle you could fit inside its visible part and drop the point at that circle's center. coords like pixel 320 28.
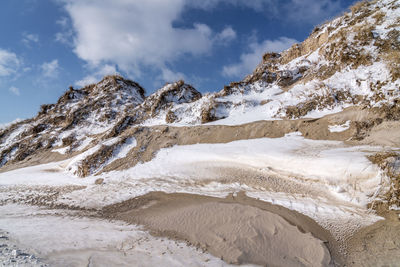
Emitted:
pixel 377 244
pixel 238 229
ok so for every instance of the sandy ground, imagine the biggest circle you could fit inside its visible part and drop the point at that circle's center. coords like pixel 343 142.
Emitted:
pixel 376 245
pixel 53 237
pixel 238 229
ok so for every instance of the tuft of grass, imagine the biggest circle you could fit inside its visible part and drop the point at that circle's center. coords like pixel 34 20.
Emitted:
pixel 358 6
pixel 393 58
pixel 379 16
pixel 364 34
pixel 387 162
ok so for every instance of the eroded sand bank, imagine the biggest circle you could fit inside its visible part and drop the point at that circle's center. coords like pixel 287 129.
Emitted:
pixel 238 229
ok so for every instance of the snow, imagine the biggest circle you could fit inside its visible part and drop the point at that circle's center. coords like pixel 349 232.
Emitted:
pixel 73 240
pixel 339 128
pixel 391 18
pixel 326 180
pixel 262 101
pixel 13 136
pixel 329 181
pixel 331 162
pixel 123 150
pixel 51 174
pixel 341 172
pixel 62 150
pixel 74 163
pixel 6 125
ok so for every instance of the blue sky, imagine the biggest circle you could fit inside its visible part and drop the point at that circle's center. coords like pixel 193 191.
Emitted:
pixel 48 45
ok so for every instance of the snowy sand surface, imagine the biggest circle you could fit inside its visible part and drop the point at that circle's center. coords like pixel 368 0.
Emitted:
pixel 60 239
pixel 326 180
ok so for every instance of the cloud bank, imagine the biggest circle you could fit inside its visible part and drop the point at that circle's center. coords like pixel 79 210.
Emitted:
pixel 249 60
pixel 132 35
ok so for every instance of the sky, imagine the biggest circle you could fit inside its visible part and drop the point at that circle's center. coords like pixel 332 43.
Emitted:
pixel 48 45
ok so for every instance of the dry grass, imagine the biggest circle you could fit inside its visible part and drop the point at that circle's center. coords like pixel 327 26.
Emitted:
pixel 170 117
pixel 358 6
pixel 388 162
pixel 393 58
pixel 364 34
pixel 379 16
pixel 390 49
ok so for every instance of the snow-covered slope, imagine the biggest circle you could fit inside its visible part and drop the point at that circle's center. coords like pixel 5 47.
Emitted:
pixel 70 123
pixel 84 120
pixel 350 61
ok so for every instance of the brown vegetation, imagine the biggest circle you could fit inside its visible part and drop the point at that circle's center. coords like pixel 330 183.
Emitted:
pixel 389 162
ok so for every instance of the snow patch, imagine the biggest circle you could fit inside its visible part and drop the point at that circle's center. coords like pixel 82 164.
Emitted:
pixel 339 128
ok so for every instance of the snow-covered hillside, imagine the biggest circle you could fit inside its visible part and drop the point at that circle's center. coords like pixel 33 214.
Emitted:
pixel 350 61
pixel 81 116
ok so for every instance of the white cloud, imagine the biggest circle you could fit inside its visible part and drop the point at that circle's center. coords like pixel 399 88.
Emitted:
pixel 227 35
pixel 97 75
pixel 170 76
pixel 29 38
pixel 136 34
pixel 50 69
pixel 248 61
pixel 9 63
pixel 63 22
pixel 14 90
pixel 65 36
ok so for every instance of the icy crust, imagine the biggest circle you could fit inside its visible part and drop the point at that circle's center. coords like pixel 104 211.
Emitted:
pixel 356 182
pixel 70 240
